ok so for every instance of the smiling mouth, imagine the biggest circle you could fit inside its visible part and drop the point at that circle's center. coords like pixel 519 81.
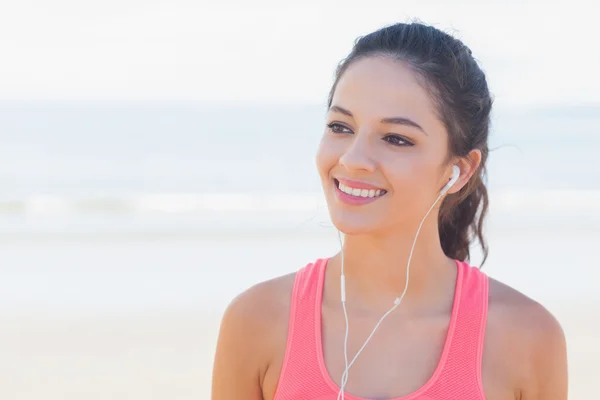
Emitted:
pixel 357 192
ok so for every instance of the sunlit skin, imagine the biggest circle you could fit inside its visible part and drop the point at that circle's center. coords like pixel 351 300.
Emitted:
pixel 383 131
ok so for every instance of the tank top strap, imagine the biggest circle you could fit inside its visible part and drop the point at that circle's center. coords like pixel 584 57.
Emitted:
pixel 464 359
pixel 300 375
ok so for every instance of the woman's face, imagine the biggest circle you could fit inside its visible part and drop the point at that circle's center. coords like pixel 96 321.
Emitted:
pixel 382 140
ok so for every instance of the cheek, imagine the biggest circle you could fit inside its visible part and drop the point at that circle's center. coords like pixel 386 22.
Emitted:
pixel 410 178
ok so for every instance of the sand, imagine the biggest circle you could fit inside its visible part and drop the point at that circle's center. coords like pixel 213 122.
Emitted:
pixel 161 356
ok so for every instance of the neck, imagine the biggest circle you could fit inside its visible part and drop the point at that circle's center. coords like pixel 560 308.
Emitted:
pixel 375 267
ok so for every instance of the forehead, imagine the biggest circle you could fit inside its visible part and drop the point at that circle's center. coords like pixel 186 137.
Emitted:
pixel 379 87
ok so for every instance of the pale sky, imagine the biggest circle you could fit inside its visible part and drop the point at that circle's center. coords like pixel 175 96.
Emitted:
pixel 535 53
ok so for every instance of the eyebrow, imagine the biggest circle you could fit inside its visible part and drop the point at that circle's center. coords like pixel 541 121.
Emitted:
pixel 392 120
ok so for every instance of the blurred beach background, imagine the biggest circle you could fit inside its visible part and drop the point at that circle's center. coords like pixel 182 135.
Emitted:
pixel 158 158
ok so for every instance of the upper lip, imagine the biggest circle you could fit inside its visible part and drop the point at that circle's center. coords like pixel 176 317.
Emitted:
pixel 358 184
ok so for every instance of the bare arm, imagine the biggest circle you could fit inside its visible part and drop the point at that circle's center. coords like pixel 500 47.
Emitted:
pixel 549 375
pixel 237 364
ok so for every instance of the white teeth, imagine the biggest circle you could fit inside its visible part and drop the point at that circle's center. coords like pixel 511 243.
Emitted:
pixel 360 192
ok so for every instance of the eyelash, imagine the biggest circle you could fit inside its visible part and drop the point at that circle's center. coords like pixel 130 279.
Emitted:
pixel 405 142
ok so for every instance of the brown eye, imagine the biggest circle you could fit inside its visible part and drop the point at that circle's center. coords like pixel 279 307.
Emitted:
pixel 397 140
pixel 337 128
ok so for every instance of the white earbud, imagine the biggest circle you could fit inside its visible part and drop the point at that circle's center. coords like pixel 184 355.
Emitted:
pixel 455 176
pixel 397 301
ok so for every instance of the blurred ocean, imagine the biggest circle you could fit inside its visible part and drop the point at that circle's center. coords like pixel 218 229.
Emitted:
pixel 82 160
pixel 116 206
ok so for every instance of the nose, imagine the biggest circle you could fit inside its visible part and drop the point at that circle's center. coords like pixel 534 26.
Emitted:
pixel 358 155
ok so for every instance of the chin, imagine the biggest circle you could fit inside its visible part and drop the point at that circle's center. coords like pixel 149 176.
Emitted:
pixel 355 221
pixel 356 224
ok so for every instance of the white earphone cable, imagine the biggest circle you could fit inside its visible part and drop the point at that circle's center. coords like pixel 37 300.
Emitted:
pixel 397 301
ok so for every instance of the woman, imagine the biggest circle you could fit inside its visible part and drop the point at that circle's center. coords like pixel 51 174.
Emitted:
pixel 409 107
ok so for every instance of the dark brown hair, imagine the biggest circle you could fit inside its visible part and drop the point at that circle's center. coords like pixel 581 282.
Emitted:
pixel 459 89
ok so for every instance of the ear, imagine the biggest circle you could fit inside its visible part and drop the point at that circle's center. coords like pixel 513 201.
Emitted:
pixel 468 166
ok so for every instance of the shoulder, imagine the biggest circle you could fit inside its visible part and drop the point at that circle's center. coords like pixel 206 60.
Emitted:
pixel 253 329
pixel 259 308
pixel 532 338
pixel 509 305
pixel 256 317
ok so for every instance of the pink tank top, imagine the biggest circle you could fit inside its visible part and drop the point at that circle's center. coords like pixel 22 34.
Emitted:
pixel 458 373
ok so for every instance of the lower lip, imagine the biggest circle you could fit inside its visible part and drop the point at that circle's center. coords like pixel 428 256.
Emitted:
pixel 354 200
